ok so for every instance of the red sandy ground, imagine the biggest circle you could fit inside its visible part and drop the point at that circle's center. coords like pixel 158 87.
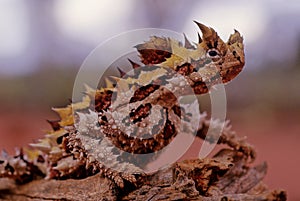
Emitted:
pixel 276 140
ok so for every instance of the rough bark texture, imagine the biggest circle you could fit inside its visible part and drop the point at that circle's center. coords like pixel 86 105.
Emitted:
pixel 226 176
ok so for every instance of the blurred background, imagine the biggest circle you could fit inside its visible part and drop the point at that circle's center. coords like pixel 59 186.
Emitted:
pixel 43 44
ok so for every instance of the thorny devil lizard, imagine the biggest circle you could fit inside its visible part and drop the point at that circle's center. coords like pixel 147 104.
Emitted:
pixel 81 145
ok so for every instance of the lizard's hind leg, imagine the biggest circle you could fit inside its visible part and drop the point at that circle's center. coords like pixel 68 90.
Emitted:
pixel 224 135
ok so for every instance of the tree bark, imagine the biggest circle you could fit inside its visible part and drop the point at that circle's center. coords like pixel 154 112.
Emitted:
pixel 226 176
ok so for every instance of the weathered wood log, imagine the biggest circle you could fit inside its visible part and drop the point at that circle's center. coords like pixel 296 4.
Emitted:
pixel 226 176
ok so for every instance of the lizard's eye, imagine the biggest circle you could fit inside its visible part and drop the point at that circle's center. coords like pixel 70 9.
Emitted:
pixel 213 53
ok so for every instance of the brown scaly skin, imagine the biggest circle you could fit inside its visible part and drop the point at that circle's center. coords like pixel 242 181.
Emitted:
pixel 228 58
pixel 227 61
pixel 61 154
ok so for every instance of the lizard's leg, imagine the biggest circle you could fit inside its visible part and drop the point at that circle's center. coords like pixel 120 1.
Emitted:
pixel 227 136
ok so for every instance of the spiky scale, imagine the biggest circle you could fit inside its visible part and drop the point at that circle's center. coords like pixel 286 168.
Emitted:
pixel 187 43
pixel 133 64
pixel 199 38
pixel 54 124
pixel 108 83
pixel 122 73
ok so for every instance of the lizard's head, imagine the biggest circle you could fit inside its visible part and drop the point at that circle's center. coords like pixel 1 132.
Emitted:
pixel 228 57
